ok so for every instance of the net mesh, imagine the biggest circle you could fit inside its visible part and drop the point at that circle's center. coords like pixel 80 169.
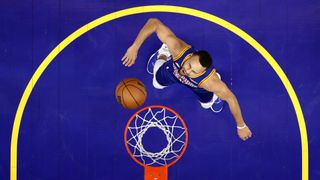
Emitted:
pixel 171 126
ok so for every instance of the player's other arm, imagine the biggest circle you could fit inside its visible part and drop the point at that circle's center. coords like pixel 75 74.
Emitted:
pixel 165 35
pixel 215 85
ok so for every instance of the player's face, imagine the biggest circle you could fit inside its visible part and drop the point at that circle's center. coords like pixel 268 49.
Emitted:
pixel 192 67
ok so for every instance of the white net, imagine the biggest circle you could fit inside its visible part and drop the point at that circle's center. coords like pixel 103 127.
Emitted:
pixel 171 126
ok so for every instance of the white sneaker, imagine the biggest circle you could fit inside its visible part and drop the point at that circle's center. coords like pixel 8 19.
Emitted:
pixel 164 51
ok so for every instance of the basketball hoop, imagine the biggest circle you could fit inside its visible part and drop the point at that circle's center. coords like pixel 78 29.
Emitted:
pixel 171 125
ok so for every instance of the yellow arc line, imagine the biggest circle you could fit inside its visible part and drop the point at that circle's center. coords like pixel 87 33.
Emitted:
pixel 158 8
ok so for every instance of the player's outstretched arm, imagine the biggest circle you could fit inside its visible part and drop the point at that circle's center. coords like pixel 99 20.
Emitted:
pixel 215 85
pixel 153 25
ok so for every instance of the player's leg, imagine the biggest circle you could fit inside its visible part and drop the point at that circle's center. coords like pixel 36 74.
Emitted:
pixel 161 77
pixel 217 105
pixel 162 53
pixel 156 68
pixel 209 100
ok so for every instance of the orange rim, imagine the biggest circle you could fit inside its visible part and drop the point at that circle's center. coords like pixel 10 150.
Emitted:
pixel 156 106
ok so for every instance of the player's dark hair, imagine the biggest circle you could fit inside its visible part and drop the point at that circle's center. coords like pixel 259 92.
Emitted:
pixel 204 58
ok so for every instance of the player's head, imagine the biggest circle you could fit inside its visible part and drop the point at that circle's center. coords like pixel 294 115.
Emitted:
pixel 196 64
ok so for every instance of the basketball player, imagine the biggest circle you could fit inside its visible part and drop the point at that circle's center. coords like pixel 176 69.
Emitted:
pixel 178 62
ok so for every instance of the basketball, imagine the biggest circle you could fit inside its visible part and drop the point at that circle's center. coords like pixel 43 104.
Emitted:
pixel 131 93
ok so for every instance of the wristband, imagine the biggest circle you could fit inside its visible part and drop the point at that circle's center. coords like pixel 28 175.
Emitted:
pixel 241 127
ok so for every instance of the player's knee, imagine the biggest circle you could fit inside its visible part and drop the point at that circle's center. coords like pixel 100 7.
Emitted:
pixel 163 57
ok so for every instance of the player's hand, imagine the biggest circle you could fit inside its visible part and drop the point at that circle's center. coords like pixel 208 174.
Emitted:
pixel 130 57
pixel 244 133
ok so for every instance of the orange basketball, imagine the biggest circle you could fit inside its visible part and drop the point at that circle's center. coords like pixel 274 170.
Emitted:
pixel 131 93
